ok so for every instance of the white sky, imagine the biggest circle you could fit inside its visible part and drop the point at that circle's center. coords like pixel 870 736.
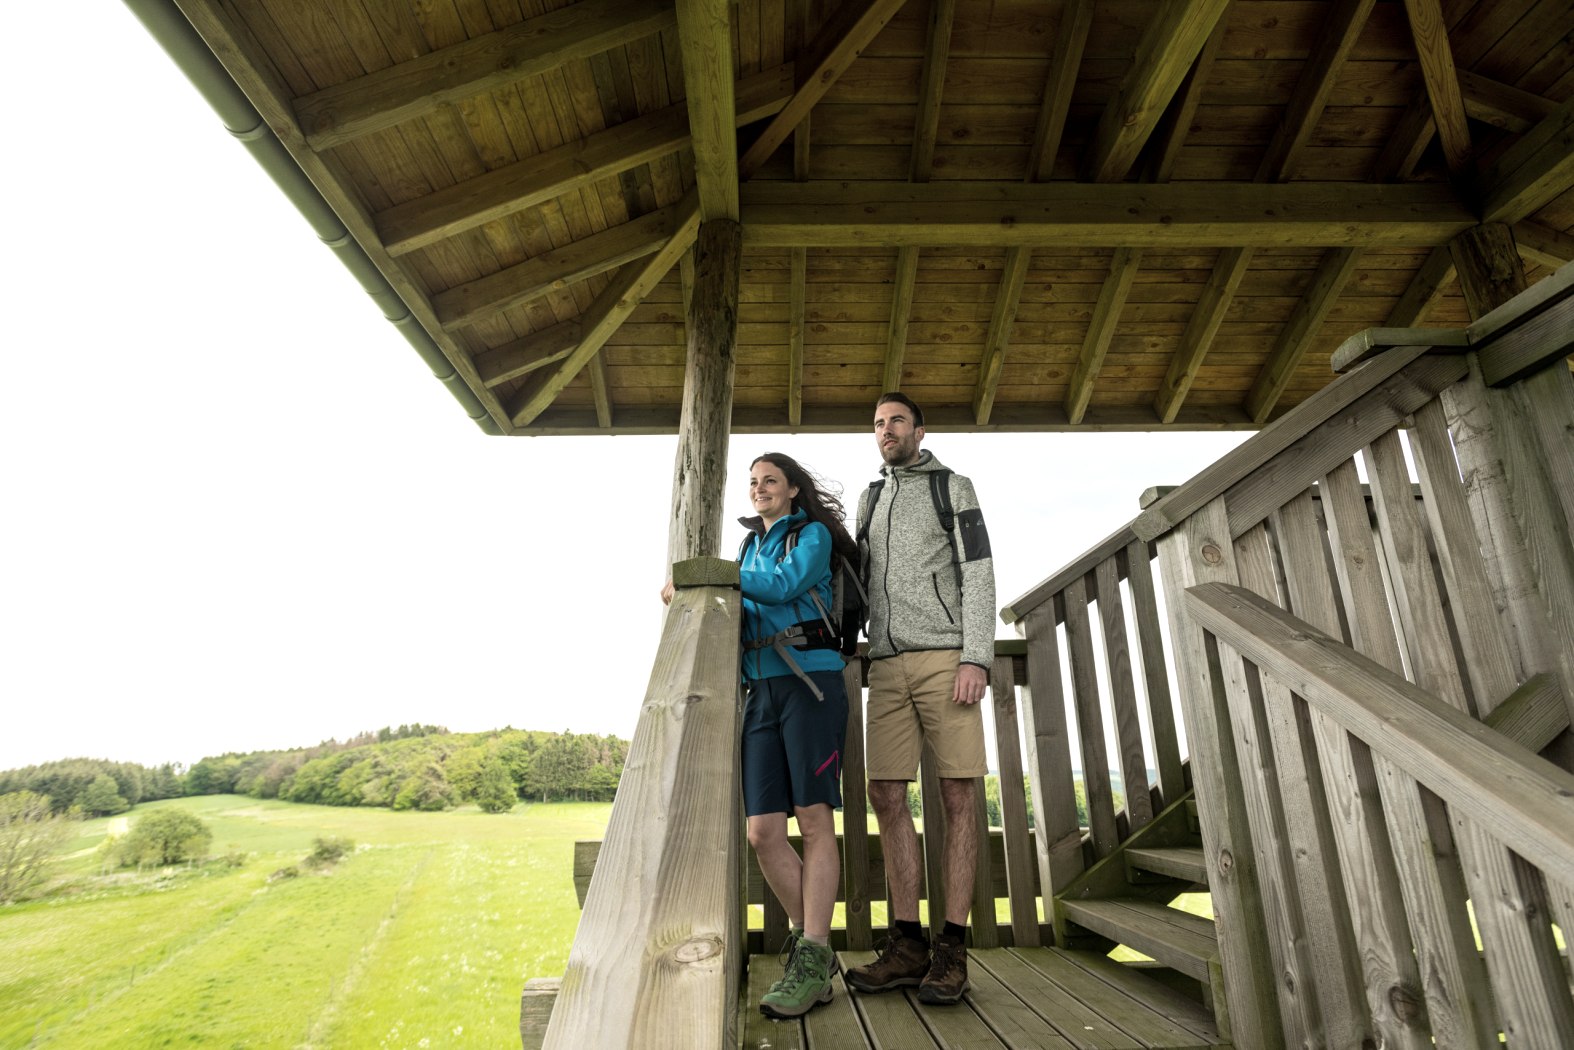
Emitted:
pixel 242 514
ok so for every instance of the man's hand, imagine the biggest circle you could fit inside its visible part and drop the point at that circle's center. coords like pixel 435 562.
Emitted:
pixel 970 683
pixel 667 592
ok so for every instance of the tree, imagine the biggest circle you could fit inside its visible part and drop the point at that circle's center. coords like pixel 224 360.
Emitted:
pixel 102 797
pixel 30 835
pixel 496 793
pixel 165 836
pixel 561 765
pixel 427 790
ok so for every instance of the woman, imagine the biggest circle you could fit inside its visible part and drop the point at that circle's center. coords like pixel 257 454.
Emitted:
pixel 795 714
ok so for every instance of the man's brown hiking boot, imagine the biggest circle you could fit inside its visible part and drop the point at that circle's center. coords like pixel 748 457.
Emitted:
pixel 902 961
pixel 947 977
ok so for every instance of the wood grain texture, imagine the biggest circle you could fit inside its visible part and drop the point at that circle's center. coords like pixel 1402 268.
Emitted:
pixel 1442 84
pixel 704 33
pixel 1303 327
pixel 1013 804
pixel 1059 838
pixel 998 338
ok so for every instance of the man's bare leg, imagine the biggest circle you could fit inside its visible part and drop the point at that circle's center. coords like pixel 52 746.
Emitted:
pixel 899 842
pixel 961 846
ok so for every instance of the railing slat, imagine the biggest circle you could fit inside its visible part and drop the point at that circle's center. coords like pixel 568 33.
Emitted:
pixel 1457 995
pixel 855 814
pixel 1059 835
pixel 1013 805
pixel 1090 722
pixel 1155 673
pixel 985 927
pixel 1123 697
pixel 1197 550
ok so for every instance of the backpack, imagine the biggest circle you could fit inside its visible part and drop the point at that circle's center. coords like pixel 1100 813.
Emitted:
pixel 940 496
pixel 839 625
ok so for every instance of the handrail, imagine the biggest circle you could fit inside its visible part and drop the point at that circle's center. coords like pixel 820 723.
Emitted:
pixel 658 955
pixel 1526 801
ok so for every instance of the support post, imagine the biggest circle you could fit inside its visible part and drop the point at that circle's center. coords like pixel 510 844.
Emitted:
pixel 700 471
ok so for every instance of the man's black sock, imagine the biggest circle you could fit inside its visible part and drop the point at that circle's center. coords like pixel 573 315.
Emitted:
pixel 910 928
pixel 953 932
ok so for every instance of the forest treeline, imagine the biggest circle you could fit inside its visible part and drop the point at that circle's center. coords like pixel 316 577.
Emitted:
pixel 408 767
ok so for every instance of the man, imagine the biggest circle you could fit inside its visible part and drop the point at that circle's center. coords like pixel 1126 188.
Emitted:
pixel 931 641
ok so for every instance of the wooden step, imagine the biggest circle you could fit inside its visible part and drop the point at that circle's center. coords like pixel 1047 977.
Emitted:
pixel 1183 942
pixel 1178 862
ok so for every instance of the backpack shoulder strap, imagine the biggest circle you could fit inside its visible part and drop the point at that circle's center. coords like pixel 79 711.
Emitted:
pixel 743 548
pixel 868 513
pixel 940 495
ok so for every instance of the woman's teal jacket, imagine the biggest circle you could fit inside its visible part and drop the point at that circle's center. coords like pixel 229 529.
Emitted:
pixel 776 585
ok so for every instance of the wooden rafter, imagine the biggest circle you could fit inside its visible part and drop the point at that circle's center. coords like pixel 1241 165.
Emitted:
pixel 1430 34
pixel 1542 245
pixel 536 350
pixel 571 166
pixel 902 288
pixel 800 280
pixel 402 92
pixel 1166 51
pixel 610 309
pixel 1172 130
pixel 705 38
pixel 1533 171
pixel 1342 25
pixel 1101 329
pixel 1066 215
pixel 1300 331
pixel 999 335
pixel 942 13
pixel 1502 105
pixel 1071 37
pixel 846 34
pixel 1212 305
pixel 1424 289
pixel 1405 144
pixel 600 391
pixel 551 271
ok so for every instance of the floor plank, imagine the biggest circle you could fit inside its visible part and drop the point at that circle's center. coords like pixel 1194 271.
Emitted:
pixel 1008 1016
pixel 888 1019
pixel 835 1025
pixel 761 1032
pixel 1082 1026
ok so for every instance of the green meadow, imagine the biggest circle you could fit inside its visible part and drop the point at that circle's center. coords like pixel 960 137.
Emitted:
pixel 421 937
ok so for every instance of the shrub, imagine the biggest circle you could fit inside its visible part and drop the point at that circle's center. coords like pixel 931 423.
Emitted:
pixel 165 836
pixel 327 850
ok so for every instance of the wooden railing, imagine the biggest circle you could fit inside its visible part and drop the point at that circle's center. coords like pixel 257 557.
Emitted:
pixel 1348 884
pixel 658 956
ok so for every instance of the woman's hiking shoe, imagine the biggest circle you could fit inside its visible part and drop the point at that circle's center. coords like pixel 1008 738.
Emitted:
pixel 903 961
pixel 785 957
pixel 947 977
pixel 805 985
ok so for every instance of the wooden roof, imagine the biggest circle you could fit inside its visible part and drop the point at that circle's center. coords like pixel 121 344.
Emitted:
pixel 1028 214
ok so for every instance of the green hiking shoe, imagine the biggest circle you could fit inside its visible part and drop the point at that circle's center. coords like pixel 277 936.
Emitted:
pixel 785 957
pixel 805 985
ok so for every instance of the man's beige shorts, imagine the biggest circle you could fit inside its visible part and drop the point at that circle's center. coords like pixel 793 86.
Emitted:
pixel 910 699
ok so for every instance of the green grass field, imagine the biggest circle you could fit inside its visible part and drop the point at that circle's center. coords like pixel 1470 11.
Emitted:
pixel 421 938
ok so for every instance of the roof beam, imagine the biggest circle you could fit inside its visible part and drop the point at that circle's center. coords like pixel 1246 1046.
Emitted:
pixel 1074 215
pixel 1101 329
pixel 848 31
pixel 1071 37
pixel 536 350
pixel 1502 105
pixel 942 13
pixel 402 92
pixel 571 166
pixel 1341 26
pixel 1007 297
pixel 1171 42
pixel 599 390
pixel 705 39
pixel 902 289
pixel 1430 34
pixel 1424 289
pixel 1300 330
pixel 1533 171
pixel 626 291
pixel 1212 305
pixel 1177 120
pixel 1402 152
pixel 800 281
pixel 554 270
pixel 1542 245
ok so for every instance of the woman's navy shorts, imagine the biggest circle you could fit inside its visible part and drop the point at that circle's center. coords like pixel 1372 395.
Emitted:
pixel 792 743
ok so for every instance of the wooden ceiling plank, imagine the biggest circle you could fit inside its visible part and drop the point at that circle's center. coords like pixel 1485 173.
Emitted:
pixel 1076 215
pixel 797 295
pixel 554 270
pixel 1545 246
pixel 1301 330
pixel 1071 37
pixel 1101 329
pixel 536 350
pixel 705 36
pixel 571 166
pixel 901 309
pixel 942 13
pixel 1342 25
pixel 610 309
pixel 1213 304
pixel 1533 171
pixel 848 31
pixel 1165 53
pixel 1430 34
pixel 1424 290
pixel 1007 296
pixel 800 149
pixel 537 45
pixel 1502 105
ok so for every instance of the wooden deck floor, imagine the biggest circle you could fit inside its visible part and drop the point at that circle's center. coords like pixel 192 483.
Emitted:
pixel 1021 999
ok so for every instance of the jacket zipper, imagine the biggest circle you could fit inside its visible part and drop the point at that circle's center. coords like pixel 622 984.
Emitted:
pixel 885 581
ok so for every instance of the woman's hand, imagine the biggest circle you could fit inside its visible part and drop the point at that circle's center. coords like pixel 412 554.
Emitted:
pixel 667 593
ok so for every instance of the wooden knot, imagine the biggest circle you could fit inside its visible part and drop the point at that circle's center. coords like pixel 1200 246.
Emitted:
pixel 697 949
pixel 1211 553
pixel 1226 862
pixel 1406 1005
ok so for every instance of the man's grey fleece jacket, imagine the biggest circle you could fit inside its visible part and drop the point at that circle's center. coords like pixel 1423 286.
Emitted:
pixel 914 603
